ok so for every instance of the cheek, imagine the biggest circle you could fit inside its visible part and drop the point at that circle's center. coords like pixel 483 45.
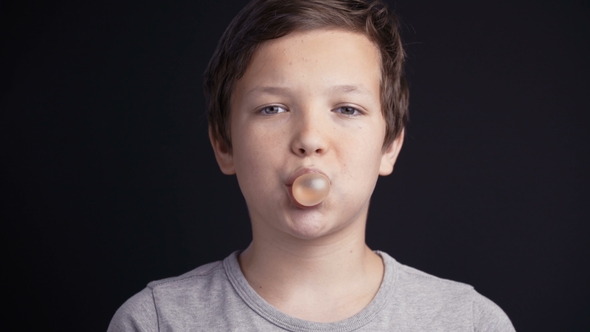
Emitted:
pixel 253 148
pixel 361 165
pixel 255 160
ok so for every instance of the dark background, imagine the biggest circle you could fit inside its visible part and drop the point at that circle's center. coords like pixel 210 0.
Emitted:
pixel 109 182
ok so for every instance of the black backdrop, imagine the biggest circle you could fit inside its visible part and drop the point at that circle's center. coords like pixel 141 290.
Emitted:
pixel 109 182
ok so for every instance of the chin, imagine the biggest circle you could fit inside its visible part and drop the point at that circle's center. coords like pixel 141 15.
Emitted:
pixel 311 225
pixel 307 232
pixel 312 228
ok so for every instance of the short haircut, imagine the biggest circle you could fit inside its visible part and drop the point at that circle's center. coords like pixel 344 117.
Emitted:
pixel 263 20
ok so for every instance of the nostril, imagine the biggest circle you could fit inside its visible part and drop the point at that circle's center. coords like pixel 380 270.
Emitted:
pixel 302 151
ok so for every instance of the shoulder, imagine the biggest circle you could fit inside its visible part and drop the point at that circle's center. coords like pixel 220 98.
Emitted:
pixel 136 314
pixel 203 272
pixel 488 316
pixel 423 286
pixel 447 301
pixel 141 311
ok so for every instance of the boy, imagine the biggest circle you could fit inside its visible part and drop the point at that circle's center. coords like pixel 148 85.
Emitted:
pixel 298 87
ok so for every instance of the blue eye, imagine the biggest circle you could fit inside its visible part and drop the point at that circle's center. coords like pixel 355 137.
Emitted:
pixel 347 110
pixel 274 109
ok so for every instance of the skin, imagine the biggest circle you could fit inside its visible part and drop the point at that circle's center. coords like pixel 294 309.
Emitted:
pixel 310 102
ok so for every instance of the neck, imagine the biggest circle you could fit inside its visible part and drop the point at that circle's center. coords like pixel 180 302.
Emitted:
pixel 325 279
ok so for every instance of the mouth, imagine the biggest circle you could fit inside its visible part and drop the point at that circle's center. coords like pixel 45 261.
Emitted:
pixel 293 177
pixel 300 172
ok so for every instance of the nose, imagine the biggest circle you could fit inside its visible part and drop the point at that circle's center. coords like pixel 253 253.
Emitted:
pixel 309 136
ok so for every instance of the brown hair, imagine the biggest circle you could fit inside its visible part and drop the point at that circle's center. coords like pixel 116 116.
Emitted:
pixel 262 20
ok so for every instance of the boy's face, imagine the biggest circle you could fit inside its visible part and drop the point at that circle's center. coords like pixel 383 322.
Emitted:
pixel 309 102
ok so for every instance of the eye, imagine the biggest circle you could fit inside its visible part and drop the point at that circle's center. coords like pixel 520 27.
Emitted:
pixel 273 109
pixel 348 111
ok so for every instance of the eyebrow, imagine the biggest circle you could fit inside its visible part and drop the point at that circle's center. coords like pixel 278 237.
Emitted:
pixel 271 90
pixel 350 89
pixel 276 90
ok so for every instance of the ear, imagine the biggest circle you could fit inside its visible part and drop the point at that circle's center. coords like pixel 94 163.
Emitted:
pixel 390 155
pixel 223 155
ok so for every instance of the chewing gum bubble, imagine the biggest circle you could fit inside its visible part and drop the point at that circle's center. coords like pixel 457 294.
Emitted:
pixel 311 189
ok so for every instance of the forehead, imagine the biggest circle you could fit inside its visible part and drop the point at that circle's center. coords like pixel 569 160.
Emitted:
pixel 322 58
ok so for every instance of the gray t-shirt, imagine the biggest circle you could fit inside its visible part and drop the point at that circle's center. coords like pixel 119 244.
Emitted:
pixel 217 297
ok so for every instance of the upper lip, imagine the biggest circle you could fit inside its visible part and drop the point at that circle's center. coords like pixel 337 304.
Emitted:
pixel 302 171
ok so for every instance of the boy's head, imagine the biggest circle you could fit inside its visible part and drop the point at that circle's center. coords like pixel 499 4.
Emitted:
pixel 263 20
